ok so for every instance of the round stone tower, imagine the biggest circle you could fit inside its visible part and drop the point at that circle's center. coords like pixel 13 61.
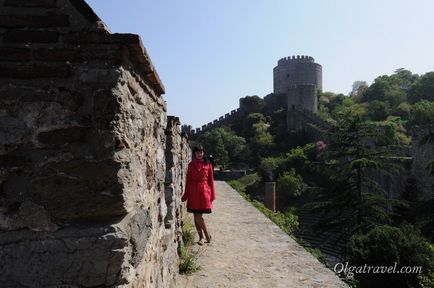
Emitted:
pixel 295 72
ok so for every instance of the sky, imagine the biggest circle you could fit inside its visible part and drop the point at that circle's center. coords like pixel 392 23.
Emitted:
pixel 209 54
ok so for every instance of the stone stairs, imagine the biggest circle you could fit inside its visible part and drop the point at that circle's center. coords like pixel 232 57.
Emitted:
pixel 330 243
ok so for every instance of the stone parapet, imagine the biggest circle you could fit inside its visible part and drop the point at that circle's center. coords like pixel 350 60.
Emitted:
pixel 84 147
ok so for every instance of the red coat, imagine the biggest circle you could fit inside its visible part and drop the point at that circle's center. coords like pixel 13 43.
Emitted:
pixel 199 187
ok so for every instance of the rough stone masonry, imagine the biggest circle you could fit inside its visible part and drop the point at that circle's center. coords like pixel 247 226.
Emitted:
pixel 87 198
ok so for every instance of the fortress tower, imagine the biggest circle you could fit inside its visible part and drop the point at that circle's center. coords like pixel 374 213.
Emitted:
pixel 298 77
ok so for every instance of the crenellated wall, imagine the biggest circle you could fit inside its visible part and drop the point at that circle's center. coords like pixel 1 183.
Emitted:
pixel 296 70
pixel 85 196
pixel 221 121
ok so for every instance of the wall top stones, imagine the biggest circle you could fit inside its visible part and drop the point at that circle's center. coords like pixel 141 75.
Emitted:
pixel 48 22
pixel 296 59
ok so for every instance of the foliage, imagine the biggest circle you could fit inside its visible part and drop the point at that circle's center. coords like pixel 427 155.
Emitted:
pixel 378 110
pixel 383 246
pixel 290 183
pixel 423 113
pixel 249 128
pixel 426 280
pixel 287 221
pixel 249 179
pixel 358 90
pixel 391 89
pixel 403 110
pixel 188 257
pixel 188 261
pixel 268 167
pixel 237 185
pixel 423 89
pixel 348 106
pixel 260 141
pixel 225 146
pixel 314 251
pixel 355 157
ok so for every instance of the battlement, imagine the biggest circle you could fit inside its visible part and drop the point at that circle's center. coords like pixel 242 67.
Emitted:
pixel 296 59
pixel 213 124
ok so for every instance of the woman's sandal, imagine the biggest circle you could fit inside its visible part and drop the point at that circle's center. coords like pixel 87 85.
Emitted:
pixel 200 242
pixel 208 240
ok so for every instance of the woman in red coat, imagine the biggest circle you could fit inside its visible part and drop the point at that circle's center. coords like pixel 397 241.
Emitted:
pixel 199 191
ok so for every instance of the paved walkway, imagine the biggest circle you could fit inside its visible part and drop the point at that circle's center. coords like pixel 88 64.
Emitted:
pixel 248 250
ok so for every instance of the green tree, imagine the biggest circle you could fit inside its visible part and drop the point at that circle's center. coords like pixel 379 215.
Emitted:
pixel 251 123
pixel 355 157
pixel 423 89
pixel 358 91
pixel 269 167
pixel 423 113
pixel 378 110
pixel 348 106
pixel 225 146
pixel 290 183
pixel 392 89
pixel 260 142
pixel 383 246
pixel 403 110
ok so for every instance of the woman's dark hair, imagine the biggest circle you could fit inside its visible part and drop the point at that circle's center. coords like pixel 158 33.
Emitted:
pixel 199 147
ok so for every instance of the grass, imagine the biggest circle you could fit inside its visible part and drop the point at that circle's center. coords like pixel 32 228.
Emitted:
pixel 188 258
pixel 287 221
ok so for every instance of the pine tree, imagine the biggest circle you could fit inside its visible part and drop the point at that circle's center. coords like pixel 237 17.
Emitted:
pixel 357 154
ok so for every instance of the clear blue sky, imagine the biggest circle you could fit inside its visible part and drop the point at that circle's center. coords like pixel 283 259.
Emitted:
pixel 211 53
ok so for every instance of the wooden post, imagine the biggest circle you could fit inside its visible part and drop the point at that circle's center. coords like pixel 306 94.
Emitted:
pixel 270 195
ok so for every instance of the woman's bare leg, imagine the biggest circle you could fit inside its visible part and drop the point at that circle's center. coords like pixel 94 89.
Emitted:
pixel 204 229
pixel 198 225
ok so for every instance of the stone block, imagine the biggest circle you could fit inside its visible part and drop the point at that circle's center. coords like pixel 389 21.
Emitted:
pixel 12 130
pixel 63 136
pixel 20 21
pixel 68 256
pixel 87 37
pixel 15 54
pixel 34 217
pixel 35 71
pixel 31 3
pixel 30 36
pixel 72 55
pixel 79 191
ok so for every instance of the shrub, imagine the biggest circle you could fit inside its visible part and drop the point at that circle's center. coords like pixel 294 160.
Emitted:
pixel 383 246
pixel 188 257
pixel 290 183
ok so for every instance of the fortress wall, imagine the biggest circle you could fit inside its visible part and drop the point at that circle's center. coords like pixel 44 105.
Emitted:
pixel 422 154
pixel 83 131
pixel 302 97
pixel 293 71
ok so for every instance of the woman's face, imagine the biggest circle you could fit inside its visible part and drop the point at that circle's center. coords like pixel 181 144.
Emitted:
pixel 198 154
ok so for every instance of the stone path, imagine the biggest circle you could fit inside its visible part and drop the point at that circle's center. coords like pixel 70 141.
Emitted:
pixel 248 250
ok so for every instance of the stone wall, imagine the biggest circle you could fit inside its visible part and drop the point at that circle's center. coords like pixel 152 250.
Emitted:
pixel 296 70
pixel 83 200
pixel 303 96
pixel 178 155
pixel 422 154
